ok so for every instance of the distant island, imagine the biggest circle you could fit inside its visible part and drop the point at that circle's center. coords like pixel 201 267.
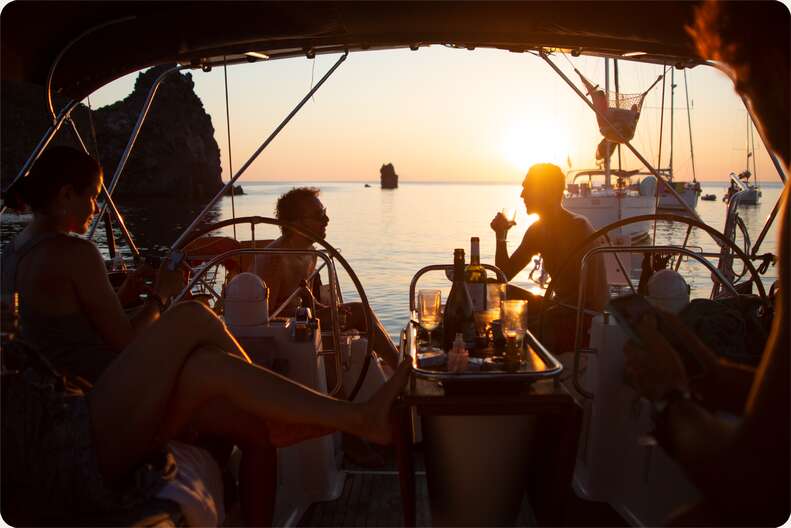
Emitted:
pixel 388 176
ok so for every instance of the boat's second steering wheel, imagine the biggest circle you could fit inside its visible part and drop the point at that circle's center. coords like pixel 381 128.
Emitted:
pixel 722 241
pixel 331 252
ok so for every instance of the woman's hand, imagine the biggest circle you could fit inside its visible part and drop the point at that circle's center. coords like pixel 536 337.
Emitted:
pixel 500 225
pixel 656 369
pixel 135 284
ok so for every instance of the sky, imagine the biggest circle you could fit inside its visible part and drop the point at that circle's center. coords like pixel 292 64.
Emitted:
pixel 443 114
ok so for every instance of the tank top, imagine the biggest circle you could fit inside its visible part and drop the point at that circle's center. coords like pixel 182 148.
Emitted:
pixel 70 342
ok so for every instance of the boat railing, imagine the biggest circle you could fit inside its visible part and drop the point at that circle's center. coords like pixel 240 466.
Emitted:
pixel 328 262
pixel 664 249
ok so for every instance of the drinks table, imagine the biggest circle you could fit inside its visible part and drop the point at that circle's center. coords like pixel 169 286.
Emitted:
pixel 489 438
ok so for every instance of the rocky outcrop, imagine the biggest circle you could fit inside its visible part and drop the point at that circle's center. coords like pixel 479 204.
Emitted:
pixel 388 177
pixel 176 154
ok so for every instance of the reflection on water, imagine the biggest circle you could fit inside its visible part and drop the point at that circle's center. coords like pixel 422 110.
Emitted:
pixel 388 235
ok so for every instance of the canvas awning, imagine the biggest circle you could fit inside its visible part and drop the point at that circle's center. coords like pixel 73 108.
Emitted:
pixel 136 35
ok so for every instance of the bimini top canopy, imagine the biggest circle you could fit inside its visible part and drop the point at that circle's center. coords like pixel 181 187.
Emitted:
pixel 123 37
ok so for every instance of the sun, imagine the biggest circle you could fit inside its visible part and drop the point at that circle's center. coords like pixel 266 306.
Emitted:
pixel 536 141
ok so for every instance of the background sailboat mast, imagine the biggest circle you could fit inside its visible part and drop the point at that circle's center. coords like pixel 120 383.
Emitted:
pixel 689 124
pixel 617 92
pixel 672 94
pixel 607 182
pixel 661 121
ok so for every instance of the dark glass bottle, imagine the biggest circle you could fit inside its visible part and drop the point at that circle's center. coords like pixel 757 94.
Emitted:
pixel 458 317
pixel 475 277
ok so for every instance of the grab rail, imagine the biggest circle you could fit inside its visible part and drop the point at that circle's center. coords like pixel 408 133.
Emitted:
pixel 437 267
pixel 620 249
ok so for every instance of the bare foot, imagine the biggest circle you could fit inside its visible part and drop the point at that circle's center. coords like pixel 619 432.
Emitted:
pixel 376 411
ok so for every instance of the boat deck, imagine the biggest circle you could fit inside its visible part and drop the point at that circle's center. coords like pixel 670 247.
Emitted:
pixel 373 498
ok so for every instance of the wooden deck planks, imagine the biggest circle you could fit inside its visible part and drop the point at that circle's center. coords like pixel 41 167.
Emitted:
pixel 367 499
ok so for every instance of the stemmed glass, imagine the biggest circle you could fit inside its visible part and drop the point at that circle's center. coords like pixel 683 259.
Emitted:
pixel 429 312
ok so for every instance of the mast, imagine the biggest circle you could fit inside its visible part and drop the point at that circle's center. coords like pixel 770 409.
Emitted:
pixel 672 94
pixel 755 166
pixel 618 104
pixel 607 182
pixel 661 119
pixel 689 124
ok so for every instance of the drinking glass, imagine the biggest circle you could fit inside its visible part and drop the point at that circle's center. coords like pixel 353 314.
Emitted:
pixel 513 314
pixel 428 311
pixel 509 213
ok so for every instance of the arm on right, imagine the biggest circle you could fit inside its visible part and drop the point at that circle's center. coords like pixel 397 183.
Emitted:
pixel 516 262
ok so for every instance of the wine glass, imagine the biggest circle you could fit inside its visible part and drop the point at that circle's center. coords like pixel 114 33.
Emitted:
pixel 428 311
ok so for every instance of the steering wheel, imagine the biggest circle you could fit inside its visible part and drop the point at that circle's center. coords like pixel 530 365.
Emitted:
pixel 722 241
pixel 332 254
pixel 582 248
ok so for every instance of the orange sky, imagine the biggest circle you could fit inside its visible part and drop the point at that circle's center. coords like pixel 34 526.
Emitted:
pixel 441 114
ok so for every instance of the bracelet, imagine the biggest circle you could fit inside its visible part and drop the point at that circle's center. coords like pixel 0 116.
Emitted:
pixel 501 239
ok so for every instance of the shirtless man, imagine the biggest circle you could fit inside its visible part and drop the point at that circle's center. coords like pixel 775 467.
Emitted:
pixel 555 235
pixel 283 273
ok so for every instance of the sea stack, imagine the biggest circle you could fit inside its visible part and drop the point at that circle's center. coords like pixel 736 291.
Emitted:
pixel 388 177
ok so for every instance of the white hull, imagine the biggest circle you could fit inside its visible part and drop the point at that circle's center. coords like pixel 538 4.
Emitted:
pixel 604 209
pixel 751 197
pixel 689 194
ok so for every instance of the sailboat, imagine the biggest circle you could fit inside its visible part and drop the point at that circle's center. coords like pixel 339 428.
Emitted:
pixel 611 195
pixel 586 456
pixel 750 191
pixel 689 191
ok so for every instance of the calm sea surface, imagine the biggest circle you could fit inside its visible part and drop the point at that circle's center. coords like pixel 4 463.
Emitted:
pixel 387 235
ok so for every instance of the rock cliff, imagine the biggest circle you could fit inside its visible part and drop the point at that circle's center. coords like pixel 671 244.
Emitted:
pixel 176 154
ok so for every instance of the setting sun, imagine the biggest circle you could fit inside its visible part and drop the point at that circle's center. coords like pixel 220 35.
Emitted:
pixel 536 141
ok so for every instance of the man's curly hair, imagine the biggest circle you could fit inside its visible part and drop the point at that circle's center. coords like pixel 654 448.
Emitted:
pixel 290 205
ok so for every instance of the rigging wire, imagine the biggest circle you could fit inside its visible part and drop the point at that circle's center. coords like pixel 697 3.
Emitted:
pixel 230 157
pixel 93 131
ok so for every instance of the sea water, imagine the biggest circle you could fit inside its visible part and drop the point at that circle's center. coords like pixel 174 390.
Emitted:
pixel 388 235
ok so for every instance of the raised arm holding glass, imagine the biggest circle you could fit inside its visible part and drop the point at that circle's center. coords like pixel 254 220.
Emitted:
pixel 555 235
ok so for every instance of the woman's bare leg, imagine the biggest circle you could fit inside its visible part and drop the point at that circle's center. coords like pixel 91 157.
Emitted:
pixel 180 364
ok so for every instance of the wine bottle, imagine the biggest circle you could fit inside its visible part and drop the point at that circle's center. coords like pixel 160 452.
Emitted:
pixel 458 317
pixel 475 277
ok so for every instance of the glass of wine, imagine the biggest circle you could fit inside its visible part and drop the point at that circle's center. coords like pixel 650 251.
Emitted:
pixel 429 311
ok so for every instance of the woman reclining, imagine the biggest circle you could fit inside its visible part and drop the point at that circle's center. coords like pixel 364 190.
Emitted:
pixel 179 372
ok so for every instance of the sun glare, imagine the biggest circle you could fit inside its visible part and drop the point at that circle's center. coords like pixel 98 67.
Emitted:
pixel 530 142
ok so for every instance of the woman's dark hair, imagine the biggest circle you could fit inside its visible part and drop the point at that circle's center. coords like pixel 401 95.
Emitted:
pixel 56 168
